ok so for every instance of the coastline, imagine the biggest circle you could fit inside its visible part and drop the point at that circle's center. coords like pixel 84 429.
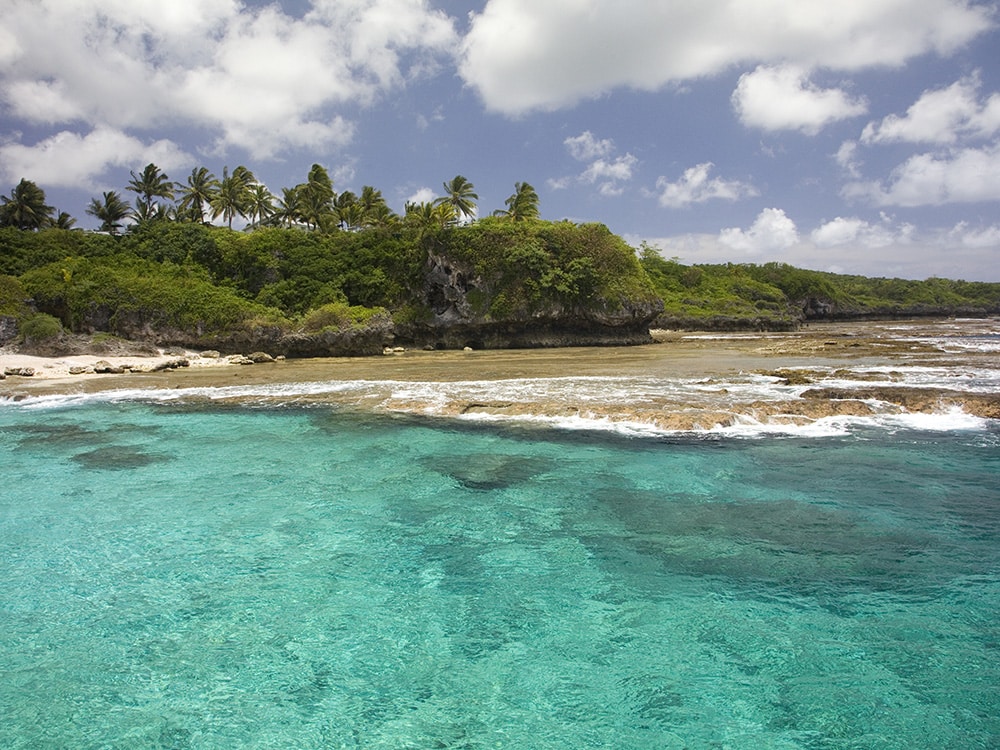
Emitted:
pixel 817 378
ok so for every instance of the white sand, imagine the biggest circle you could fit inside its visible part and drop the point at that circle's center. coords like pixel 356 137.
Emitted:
pixel 48 368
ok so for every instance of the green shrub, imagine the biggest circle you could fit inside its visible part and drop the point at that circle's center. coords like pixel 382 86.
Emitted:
pixel 12 296
pixel 339 316
pixel 40 327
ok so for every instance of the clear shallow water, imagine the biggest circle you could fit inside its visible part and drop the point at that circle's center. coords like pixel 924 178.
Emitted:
pixel 182 575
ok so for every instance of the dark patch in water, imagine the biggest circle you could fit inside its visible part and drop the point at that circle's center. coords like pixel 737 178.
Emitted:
pixel 58 435
pixel 488 471
pixel 804 548
pixel 118 458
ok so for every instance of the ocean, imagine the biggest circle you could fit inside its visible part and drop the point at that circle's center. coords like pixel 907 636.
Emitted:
pixel 283 565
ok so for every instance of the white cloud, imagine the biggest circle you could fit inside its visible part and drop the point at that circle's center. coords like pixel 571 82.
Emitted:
pixel 71 160
pixel 423 195
pixel 523 55
pixel 854 231
pixel 615 170
pixel 783 98
pixel 605 172
pixel 771 231
pixel 940 116
pixel 985 237
pixel 696 187
pixel 848 159
pixel 254 77
pixel 586 146
pixel 853 245
pixel 964 176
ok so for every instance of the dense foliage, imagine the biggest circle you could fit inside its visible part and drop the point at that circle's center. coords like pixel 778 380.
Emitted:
pixel 777 295
pixel 203 278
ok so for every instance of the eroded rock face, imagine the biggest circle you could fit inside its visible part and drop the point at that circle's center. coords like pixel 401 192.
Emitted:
pixel 456 322
pixel 8 329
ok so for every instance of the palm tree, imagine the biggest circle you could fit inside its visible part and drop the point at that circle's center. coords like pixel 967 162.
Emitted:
pixel 522 205
pixel 25 208
pixel 233 196
pixel 152 183
pixel 461 195
pixel 424 216
pixel 63 221
pixel 197 195
pixel 343 208
pixel 316 197
pixel 289 205
pixel 111 211
pixel 260 205
pixel 380 216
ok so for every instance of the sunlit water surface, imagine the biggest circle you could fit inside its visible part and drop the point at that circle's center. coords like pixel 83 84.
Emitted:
pixel 180 575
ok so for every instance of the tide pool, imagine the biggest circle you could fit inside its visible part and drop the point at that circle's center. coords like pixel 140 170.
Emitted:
pixel 181 575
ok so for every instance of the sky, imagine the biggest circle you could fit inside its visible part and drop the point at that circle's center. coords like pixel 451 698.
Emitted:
pixel 860 136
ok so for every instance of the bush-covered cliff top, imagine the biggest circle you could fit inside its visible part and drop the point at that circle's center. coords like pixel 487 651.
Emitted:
pixel 198 280
pixel 202 278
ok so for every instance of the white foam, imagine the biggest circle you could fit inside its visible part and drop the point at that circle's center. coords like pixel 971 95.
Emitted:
pixel 540 397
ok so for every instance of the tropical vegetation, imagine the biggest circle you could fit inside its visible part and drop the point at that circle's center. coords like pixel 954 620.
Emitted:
pixel 313 258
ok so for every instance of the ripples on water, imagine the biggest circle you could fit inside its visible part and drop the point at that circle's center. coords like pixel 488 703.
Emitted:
pixel 196 574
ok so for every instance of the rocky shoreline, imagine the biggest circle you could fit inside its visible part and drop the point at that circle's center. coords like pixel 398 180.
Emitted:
pixel 698 381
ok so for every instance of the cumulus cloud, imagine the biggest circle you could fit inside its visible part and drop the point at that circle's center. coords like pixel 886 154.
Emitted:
pixel 694 186
pixel 606 171
pixel 422 195
pixel 981 237
pixel 849 244
pixel 783 98
pixel 523 55
pixel 254 78
pixel 586 146
pixel 965 175
pixel 848 159
pixel 941 116
pixel 772 230
pixel 68 159
pixel 858 232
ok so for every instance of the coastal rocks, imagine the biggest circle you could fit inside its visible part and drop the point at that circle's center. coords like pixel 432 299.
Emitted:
pixel 462 308
pixel 925 400
pixel 103 367
pixel 260 357
pixel 8 329
pixel 22 372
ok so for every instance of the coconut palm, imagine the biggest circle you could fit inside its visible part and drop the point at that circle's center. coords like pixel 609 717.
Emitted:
pixel 196 195
pixel 260 205
pixel 25 208
pixel 316 197
pixel 460 194
pixel 380 215
pixel 345 208
pixel 424 216
pixel 63 221
pixel 288 208
pixel 522 205
pixel 232 199
pixel 151 183
pixel 111 211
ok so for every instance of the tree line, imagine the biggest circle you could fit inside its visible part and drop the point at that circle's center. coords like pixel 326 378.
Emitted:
pixel 203 197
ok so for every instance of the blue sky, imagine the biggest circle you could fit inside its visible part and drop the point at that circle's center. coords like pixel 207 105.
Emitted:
pixel 858 137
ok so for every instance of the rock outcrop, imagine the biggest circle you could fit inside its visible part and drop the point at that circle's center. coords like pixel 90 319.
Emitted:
pixel 458 302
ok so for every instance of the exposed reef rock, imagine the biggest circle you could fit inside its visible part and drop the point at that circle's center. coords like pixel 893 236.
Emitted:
pixel 927 400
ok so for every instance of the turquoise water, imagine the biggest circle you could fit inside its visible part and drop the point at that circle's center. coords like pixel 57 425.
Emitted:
pixel 192 576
